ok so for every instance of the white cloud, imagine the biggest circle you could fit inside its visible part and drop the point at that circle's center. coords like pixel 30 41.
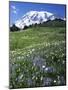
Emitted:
pixel 14 9
pixel 15 12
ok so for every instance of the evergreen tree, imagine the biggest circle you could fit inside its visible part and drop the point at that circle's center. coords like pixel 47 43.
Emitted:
pixel 14 28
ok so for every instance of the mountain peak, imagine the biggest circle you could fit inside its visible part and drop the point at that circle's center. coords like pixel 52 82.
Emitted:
pixel 34 17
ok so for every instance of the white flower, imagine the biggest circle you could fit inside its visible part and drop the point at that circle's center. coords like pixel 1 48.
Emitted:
pixel 46 44
pixel 21 76
pixel 19 57
pixel 41 78
pixel 46 69
pixel 30 52
pixel 43 66
pixel 33 49
pixel 54 81
pixel 19 69
pixel 34 64
pixel 33 77
pixel 36 78
pixel 27 55
pixel 63 62
pixel 22 57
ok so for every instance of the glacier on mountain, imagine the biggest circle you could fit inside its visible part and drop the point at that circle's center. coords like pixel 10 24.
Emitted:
pixel 34 17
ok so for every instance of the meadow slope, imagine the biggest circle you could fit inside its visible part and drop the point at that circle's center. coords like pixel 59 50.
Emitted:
pixel 37 57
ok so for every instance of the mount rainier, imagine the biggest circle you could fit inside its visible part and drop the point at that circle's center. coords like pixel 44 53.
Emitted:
pixel 34 17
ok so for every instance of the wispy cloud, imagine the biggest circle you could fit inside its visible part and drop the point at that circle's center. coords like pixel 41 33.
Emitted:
pixel 14 9
pixel 15 12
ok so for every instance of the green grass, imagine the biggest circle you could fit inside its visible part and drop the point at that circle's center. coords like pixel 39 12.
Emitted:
pixel 20 40
pixel 32 52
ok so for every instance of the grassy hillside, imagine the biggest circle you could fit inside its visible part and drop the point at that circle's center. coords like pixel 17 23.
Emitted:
pixel 37 57
pixel 34 36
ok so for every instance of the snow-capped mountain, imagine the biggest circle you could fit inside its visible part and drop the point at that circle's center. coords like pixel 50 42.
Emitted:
pixel 33 17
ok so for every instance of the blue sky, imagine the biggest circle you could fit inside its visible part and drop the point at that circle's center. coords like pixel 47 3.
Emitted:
pixel 18 9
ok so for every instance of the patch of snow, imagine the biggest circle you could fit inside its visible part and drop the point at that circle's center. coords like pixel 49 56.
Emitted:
pixel 33 17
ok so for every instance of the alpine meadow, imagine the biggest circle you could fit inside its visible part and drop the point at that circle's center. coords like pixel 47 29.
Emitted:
pixel 37 50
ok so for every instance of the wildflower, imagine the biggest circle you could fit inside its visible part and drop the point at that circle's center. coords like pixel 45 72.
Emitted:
pixel 30 52
pixel 33 77
pixel 36 78
pixel 34 64
pixel 43 66
pixel 46 69
pixel 50 69
pixel 22 57
pixel 41 78
pixel 19 69
pixel 46 44
pixel 52 57
pixel 63 62
pixel 32 67
pixel 19 57
pixel 58 60
pixel 21 76
pixel 62 54
pixel 33 49
pixel 27 55
pixel 54 81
